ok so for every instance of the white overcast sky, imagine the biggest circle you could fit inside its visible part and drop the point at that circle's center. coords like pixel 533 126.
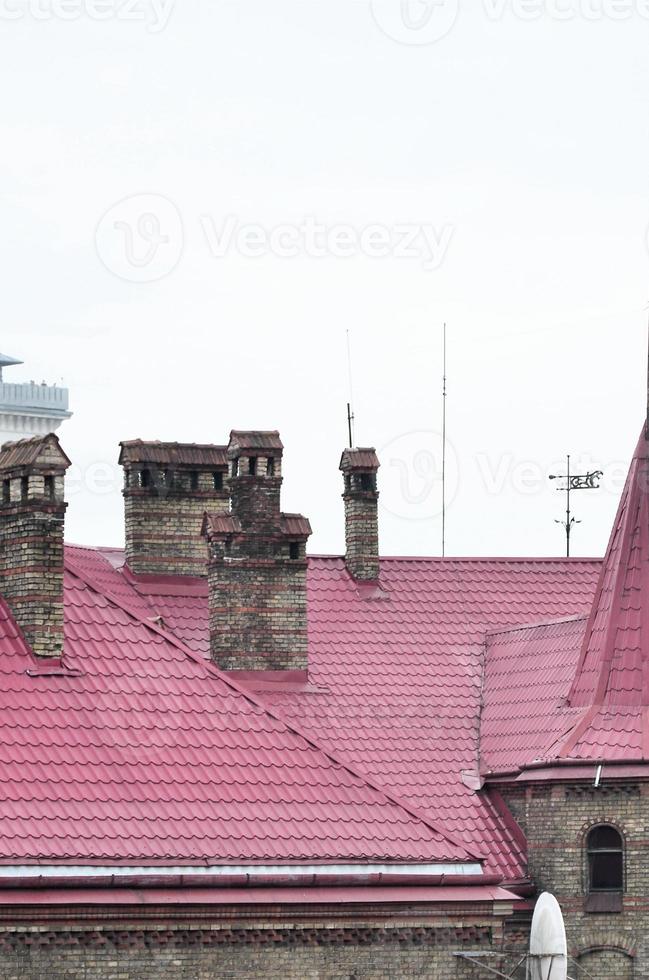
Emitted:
pixel 517 142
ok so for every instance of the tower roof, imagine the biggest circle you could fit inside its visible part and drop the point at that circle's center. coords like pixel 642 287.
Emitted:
pixel 613 667
pixel 6 361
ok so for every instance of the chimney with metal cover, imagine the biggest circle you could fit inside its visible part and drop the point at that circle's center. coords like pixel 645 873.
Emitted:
pixel 168 486
pixel 359 468
pixel 32 519
pixel 257 565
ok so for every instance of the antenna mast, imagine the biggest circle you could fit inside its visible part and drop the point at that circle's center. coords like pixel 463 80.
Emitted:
pixel 350 403
pixel 444 445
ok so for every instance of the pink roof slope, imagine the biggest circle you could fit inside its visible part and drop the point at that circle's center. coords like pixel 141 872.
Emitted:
pixel 396 671
pixel 139 752
pixel 589 679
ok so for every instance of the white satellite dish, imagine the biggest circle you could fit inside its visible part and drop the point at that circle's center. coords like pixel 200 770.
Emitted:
pixel 548 947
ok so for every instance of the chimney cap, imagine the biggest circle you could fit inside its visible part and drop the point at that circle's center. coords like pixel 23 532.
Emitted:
pixel 359 459
pixel 172 453
pixel 28 452
pixel 220 525
pixel 254 440
pixel 295 525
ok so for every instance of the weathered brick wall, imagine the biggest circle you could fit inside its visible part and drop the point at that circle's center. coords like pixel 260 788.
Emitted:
pixel 557 818
pixel 257 574
pixel 331 951
pixel 163 521
pixel 32 518
pixel 362 534
pixel 258 611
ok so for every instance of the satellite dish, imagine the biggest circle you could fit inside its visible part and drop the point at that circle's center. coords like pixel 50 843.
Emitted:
pixel 548 946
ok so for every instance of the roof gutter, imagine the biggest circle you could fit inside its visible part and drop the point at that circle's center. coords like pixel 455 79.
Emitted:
pixel 305 876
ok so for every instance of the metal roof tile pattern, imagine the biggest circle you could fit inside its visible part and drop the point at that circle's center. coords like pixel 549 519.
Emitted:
pixel 613 668
pixel 400 671
pixel 528 673
pixel 173 453
pixel 591 679
pixel 151 754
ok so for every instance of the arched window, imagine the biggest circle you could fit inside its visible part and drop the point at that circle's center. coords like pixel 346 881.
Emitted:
pixel 605 849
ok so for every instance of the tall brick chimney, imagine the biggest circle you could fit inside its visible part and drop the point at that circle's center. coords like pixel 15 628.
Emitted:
pixel 32 518
pixel 168 486
pixel 257 565
pixel 359 468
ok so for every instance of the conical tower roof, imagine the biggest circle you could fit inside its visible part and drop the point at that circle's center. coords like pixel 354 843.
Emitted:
pixel 611 682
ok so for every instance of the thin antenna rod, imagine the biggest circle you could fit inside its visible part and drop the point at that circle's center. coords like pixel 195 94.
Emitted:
pixel 444 448
pixel 350 403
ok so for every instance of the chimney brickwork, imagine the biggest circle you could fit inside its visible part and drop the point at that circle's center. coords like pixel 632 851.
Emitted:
pixel 359 468
pixel 32 518
pixel 167 489
pixel 257 565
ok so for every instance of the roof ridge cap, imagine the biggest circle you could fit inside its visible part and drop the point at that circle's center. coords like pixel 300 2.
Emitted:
pixel 272 713
pixel 501 631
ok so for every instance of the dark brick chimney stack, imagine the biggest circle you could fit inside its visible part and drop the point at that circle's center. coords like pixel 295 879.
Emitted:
pixel 359 468
pixel 255 460
pixel 32 519
pixel 257 565
pixel 168 486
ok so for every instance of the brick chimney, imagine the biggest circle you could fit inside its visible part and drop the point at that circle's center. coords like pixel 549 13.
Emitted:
pixel 257 565
pixel 32 518
pixel 359 468
pixel 168 486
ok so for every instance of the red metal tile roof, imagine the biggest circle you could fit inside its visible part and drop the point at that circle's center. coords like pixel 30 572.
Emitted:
pixel 528 673
pixel 396 671
pixel 581 691
pixel 173 453
pixel 151 755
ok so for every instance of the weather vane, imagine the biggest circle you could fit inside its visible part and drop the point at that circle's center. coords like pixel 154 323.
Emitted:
pixel 581 481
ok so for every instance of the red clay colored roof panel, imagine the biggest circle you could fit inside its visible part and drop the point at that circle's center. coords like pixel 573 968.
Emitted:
pixel 402 667
pixel 395 675
pixel 152 755
pixel 528 673
pixel 602 714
